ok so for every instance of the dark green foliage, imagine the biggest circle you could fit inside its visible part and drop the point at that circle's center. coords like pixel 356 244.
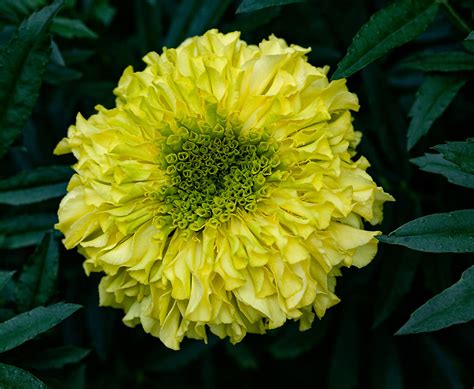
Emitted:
pixel 26 326
pixel 451 232
pixel 35 185
pixel 411 63
pixel 432 99
pixel 435 163
pixel 449 61
pixel 14 377
pixel 22 64
pixel 460 153
pixel 453 305
pixel 391 27
pixel 255 5
pixel 37 282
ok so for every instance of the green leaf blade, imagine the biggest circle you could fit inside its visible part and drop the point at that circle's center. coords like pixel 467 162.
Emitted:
pixel 432 99
pixel 14 377
pixel 451 232
pixel 22 65
pixel 460 153
pixel 452 306
pixel 57 358
pixel 447 61
pixel 391 27
pixel 71 28
pixel 28 325
pixel 435 163
pixel 25 230
pixel 254 5
pixel 37 281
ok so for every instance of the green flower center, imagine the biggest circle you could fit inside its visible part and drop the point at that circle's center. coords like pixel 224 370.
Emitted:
pixel 213 171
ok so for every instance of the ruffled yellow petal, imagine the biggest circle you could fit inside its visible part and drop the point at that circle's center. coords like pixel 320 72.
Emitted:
pixel 221 192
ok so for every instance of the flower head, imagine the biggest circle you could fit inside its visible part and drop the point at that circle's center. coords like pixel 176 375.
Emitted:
pixel 221 193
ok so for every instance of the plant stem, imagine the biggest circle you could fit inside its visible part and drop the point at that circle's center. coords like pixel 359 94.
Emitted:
pixel 455 17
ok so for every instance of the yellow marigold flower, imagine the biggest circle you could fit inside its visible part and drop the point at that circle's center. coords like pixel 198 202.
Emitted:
pixel 221 192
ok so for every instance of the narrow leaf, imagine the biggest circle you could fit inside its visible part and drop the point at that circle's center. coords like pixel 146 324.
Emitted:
pixel 254 5
pixel 451 232
pixel 12 377
pixel 28 325
pixel 22 64
pixel 32 186
pixel 71 28
pixel 37 281
pixel 391 27
pixel 25 230
pixel 432 99
pixel 447 61
pixel 57 358
pixel 460 153
pixel 435 163
pixel 452 306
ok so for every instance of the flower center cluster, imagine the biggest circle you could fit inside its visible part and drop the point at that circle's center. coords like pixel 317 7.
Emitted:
pixel 214 170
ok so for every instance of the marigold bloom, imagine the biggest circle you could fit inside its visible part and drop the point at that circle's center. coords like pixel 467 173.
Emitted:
pixel 221 191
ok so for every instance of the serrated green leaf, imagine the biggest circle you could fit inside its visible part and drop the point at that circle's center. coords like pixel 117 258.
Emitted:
pixel 25 230
pixel 254 5
pixel 393 26
pixel 22 64
pixel 469 42
pixel 71 28
pixel 12 377
pixel 460 153
pixel 452 306
pixel 447 61
pixel 435 163
pixel 37 281
pixel 242 355
pixel 35 185
pixel 451 232
pixel 57 358
pixel 28 325
pixel 432 99
pixel 5 276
